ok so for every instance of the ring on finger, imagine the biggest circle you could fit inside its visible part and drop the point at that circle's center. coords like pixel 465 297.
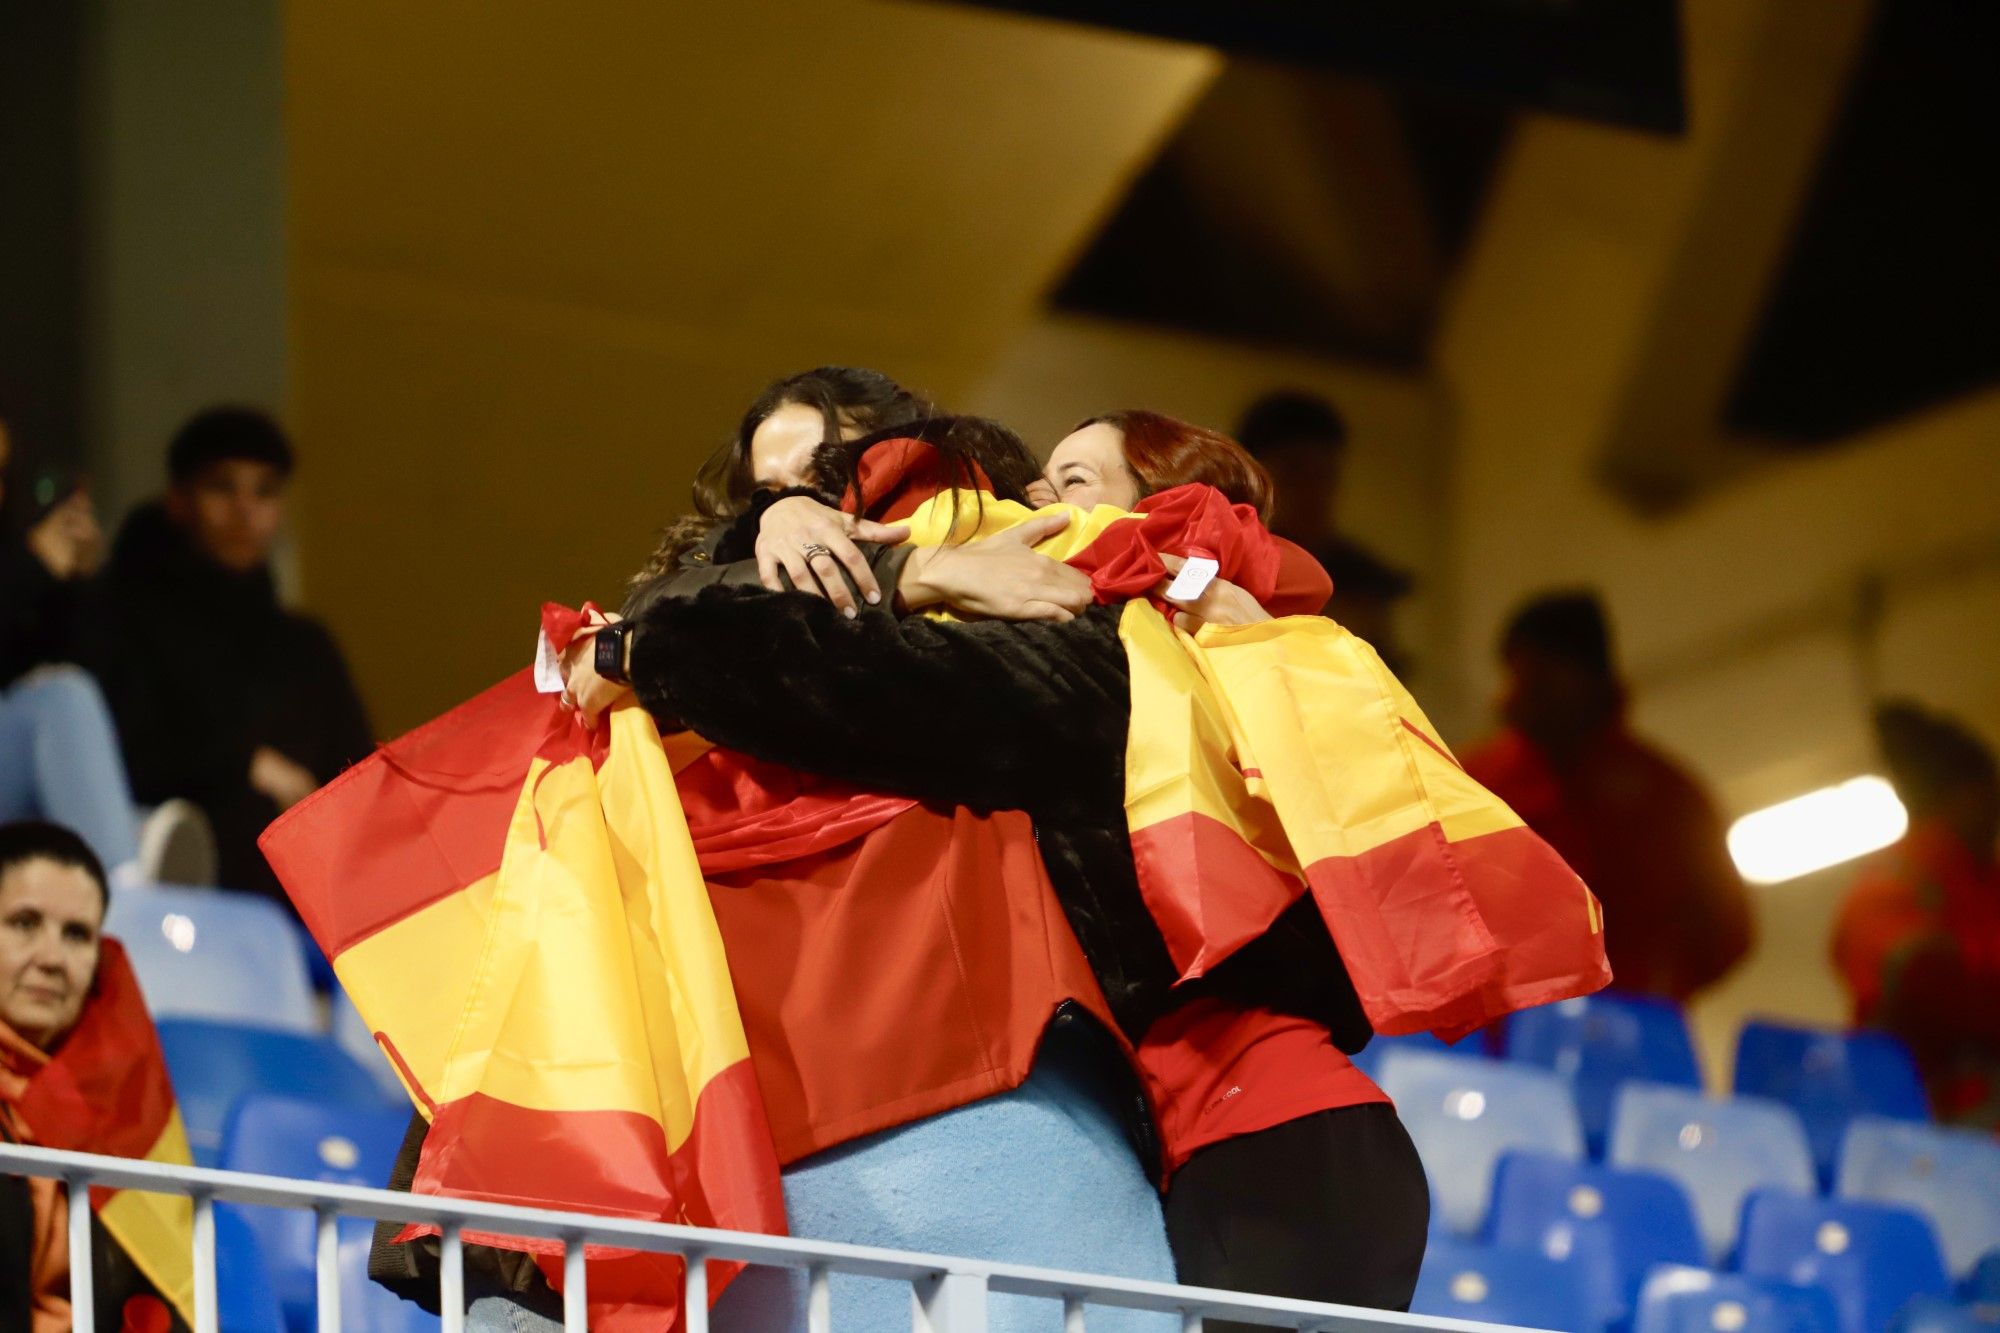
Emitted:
pixel 815 549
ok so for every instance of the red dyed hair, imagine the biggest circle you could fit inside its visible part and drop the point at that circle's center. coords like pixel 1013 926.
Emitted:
pixel 1163 452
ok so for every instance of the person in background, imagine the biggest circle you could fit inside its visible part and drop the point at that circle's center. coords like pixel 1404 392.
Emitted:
pixel 80 1069
pixel 221 695
pixel 1636 825
pixel 1918 937
pixel 1301 439
pixel 59 755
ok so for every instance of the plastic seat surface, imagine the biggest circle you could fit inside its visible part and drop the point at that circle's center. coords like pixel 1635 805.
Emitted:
pixel 213 954
pixel 213 1064
pixel 1610 1227
pixel 1829 1078
pixel 1462 1280
pixel 1695 1300
pixel 1872 1258
pixel 1952 1176
pixel 1719 1151
pixel 1601 1042
pixel 1464 1113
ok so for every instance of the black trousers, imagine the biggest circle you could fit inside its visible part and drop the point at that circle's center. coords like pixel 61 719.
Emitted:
pixel 1332 1206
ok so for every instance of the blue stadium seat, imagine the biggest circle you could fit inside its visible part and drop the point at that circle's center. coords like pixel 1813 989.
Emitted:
pixel 1718 1150
pixel 1984 1284
pixel 1694 1300
pixel 245 1303
pixel 1610 1227
pixel 305 1140
pixel 1952 1176
pixel 1872 1257
pixel 1464 1113
pixel 1461 1280
pixel 213 1064
pixel 1370 1060
pixel 1929 1314
pixel 351 1034
pixel 206 953
pixel 1600 1042
pixel 1829 1078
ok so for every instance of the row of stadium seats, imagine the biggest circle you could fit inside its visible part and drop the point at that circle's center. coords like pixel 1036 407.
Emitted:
pixel 1599 1043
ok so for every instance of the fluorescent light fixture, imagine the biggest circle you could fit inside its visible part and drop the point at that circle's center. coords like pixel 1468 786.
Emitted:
pixel 1819 829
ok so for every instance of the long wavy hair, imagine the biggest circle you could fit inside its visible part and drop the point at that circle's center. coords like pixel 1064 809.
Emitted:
pixel 1163 452
pixel 848 399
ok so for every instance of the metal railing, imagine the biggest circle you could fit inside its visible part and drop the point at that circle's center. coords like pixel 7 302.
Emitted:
pixel 948 1295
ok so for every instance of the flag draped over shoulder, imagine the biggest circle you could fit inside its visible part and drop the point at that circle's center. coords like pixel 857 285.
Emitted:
pixel 1274 759
pixel 515 906
pixel 106 1090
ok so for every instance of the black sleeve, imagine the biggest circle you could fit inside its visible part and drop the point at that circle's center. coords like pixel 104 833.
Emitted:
pixel 993 715
pixel 37 613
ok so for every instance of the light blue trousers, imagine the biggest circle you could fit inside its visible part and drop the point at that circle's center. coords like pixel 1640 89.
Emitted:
pixel 1040 1175
pixel 59 761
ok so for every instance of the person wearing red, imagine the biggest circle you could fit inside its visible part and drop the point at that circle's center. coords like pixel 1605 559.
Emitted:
pixel 1636 825
pixel 1918 938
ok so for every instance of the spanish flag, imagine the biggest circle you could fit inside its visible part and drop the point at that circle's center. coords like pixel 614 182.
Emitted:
pixel 106 1090
pixel 1267 761
pixel 515 907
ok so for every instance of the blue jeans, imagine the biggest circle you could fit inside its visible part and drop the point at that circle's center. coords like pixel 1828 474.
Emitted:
pixel 1040 1175
pixel 59 761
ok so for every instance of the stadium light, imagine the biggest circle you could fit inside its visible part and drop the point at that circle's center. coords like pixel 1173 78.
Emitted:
pixel 1819 829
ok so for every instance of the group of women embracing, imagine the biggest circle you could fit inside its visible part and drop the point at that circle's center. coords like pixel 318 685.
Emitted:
pixel 972 1029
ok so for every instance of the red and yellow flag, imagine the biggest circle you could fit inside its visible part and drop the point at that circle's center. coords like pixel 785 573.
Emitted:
pixel 514 905
pixel 1269 760
pixel 106 1090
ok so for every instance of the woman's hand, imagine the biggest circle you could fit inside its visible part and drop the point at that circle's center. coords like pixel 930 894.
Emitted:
pixel 1000 577
pixel 583 689
pixel 811 543
pixel 1220 603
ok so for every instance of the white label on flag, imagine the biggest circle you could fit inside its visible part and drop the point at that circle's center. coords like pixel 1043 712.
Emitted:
pixel 1193 580
pixel 548 666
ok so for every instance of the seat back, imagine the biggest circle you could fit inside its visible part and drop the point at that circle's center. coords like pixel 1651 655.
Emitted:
pixel 1719 1151
pixel 1465 1113
pixel 350 1032
pixel 212 954
pixel 305 1140
pixel 1829 1078
pixel 1930 1314
pixel 1873 1258
pixel 1369 1060
pixel 1695 1300
pixel 1462 1280
pixel 1952 1176
pixel 213 1064
pixel 1611 1227
pixel 1601 1042
pixel 245 1302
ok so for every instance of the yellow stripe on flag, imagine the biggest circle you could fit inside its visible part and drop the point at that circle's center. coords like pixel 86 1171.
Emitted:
pixel 157 1230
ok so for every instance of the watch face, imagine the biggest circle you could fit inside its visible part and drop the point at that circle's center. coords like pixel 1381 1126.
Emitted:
pixel 611 652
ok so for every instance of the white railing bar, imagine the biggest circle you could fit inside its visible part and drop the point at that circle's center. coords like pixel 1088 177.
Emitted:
pixel 1073 1314
pixel 953 1301
pixel 207 1303
pixel 694 1300
pixel 82 1281
pixel 1191 1322
pixel 576 1287
pixel 451 1278
pixel 326 1263
pixel 819 1300
pixel 743 1246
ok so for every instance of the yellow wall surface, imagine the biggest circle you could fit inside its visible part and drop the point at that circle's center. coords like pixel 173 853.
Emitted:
pixel 542 256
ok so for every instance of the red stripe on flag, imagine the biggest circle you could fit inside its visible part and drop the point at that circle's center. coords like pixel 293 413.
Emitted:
pixel 616 1163
pixel 408 825
pixel 1207 888
pixel 1427 954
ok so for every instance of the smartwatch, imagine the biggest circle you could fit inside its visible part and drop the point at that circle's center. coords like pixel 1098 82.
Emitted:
pixel 610 658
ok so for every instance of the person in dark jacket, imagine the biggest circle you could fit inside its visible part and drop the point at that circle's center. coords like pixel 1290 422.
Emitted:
pixel 222 696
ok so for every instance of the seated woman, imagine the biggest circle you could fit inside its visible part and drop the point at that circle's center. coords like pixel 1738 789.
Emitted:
pixel 80 1069
pixel 1277 1151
